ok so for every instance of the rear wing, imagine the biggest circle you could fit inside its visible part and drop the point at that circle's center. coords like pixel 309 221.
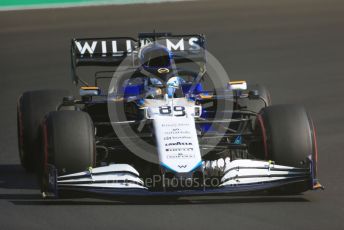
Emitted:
pixel 112 51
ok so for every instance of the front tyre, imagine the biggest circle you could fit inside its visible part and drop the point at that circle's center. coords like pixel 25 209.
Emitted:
pixel 68 142
pixel 288 138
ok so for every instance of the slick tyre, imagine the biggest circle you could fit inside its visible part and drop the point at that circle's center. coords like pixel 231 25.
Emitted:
pixel 288 138
pixel 68 142
pixel 32 106
pixel 288 135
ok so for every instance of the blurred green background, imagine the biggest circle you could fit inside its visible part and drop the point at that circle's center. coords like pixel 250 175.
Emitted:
pixel 33 3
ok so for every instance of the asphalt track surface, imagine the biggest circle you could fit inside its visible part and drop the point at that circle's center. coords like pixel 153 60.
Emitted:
pixel 294 47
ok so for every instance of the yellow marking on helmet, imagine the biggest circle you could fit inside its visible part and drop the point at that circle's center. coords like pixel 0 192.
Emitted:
pixel 163 70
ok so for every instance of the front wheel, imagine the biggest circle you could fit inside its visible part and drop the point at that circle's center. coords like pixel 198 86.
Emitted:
pixel 68 142
pixel 287 136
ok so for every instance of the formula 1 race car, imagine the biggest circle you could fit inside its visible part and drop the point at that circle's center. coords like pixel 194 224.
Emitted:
pixel 163 124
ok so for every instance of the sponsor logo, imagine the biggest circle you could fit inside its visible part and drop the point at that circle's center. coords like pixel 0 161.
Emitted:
pixel 177 132
pixel 177 138
pixel 178 143
pixel 180 155
pixel 119 46
pixel 179 149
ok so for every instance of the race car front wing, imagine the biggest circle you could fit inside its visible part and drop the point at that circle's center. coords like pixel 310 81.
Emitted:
pixel 240 176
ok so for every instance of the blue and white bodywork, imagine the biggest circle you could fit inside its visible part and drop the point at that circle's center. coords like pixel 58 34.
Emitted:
pixel 180 115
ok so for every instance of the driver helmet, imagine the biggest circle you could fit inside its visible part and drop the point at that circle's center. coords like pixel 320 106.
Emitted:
pixel 157 60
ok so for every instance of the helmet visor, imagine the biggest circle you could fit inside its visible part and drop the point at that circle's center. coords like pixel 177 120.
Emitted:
pixel 156 58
